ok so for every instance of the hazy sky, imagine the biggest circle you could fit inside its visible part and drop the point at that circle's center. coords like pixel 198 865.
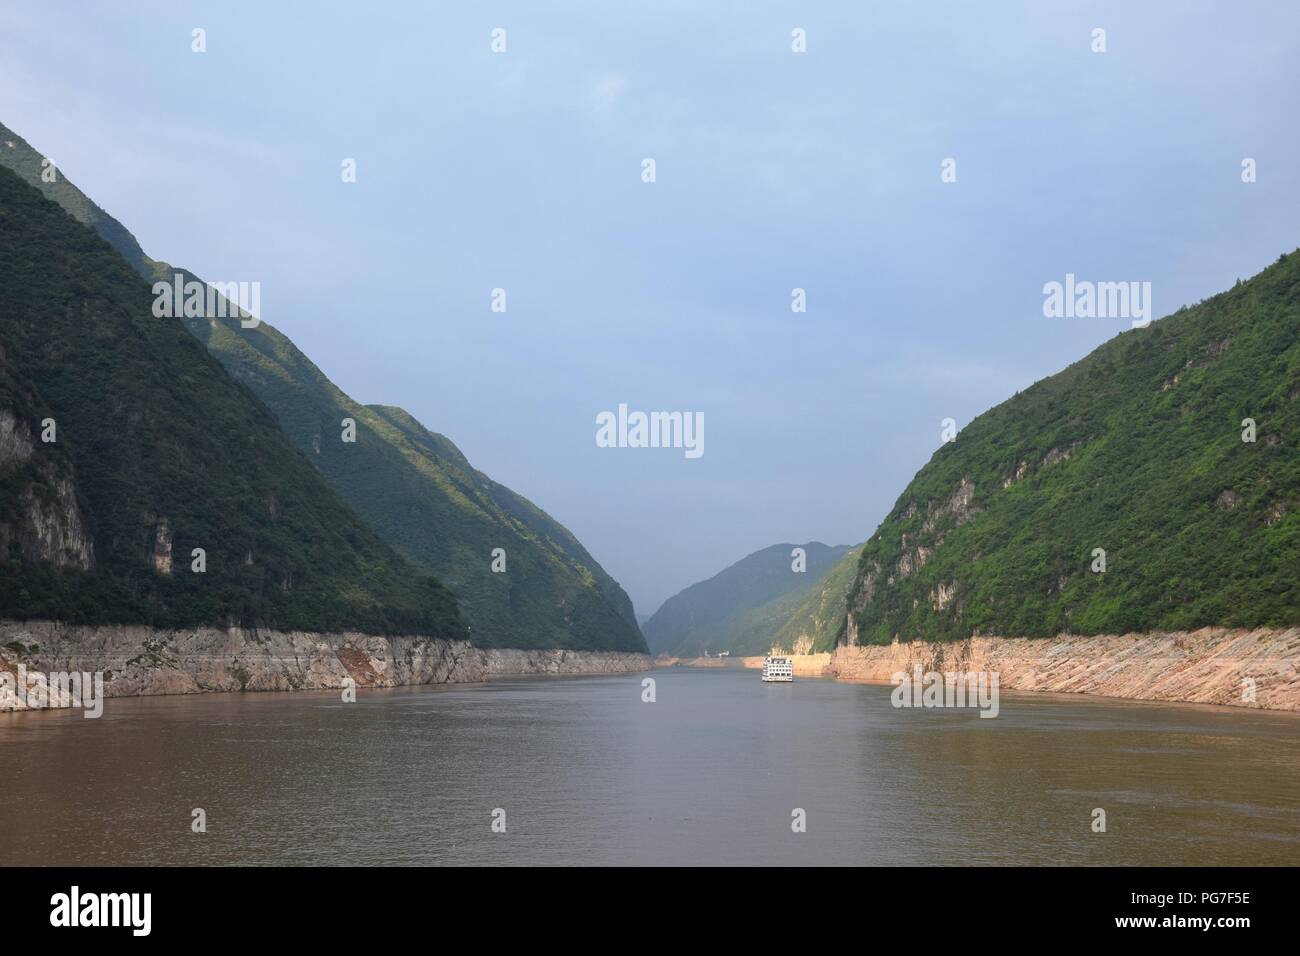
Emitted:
pixel 775 170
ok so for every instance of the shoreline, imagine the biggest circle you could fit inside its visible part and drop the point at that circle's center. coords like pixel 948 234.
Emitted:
pixel 1210 666
pixel 139 661
pixel 1224 667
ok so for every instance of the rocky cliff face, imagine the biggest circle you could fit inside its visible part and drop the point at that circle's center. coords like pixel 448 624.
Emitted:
pixel 15 441
pixel 1244 667
pixel 52 530
pixel 143 661
pixel 42 523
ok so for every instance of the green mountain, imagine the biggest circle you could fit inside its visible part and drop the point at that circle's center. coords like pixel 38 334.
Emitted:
pixel 817 622
pixel 420 494
pixel 412 486
pixel 1137 450
pixel 124 447
pixel 743 608
pixel 30 166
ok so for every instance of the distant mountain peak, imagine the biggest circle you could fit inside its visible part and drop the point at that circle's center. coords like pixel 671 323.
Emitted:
pixel 743 607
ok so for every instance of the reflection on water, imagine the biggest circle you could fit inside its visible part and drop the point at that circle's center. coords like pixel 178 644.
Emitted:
pixel 587 773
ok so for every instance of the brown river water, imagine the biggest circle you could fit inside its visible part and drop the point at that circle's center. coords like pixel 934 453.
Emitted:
pixel 586 772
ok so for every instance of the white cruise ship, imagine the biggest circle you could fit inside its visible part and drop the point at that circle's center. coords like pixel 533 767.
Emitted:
pixel 778 669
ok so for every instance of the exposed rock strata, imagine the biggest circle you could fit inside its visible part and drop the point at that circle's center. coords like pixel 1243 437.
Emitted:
pixel 1209 666
pixel 46 526
pixel 139 661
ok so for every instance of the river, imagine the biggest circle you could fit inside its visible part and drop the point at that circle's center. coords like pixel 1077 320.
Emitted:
pixel 585 772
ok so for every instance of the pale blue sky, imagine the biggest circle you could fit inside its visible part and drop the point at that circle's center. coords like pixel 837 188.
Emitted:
pixel 775 170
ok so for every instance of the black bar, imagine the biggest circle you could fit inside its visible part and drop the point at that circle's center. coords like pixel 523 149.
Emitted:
pixel 337 905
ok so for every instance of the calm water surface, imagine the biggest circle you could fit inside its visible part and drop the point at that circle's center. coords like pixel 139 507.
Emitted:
pixel 587 773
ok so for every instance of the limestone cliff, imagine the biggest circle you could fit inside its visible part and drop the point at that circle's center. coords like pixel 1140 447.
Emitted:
pixel 1244 667
pixel 41 520
pixel 144 661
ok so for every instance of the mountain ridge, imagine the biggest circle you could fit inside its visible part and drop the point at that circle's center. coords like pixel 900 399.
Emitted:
pixel 412 485
pixel 140 485
pixel 1135 450
pixel 742 607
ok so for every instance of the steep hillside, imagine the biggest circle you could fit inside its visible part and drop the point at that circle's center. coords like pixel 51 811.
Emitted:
pixel 30 166
pixel 155 453
pixel 1136 450
pixel 819 620
pixel 411 485
pixel 421 495
pixel 742 608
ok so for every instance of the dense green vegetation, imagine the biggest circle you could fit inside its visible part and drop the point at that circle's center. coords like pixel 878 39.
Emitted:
pixel 742 608
pixel 151 429
pixel 1137 449
pixel 820 618
pixel 418 491
pixel 411 485
pixel 17 155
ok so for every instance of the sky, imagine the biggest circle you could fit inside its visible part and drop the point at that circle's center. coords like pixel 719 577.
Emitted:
pixel 774 170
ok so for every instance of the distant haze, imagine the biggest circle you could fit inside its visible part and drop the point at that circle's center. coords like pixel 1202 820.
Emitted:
pixel 774 170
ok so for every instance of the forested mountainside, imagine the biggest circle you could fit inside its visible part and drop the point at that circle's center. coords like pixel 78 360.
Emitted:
pixel 819 620
pixel 411 485
pixel 742 608
pixel 1136 451
pixel 140 484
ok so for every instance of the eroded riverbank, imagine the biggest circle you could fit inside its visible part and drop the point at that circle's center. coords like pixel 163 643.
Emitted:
pixel 144 661
pixel 1250 667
